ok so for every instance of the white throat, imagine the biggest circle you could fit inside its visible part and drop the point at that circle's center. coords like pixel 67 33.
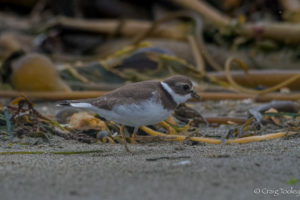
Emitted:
pixel 176 97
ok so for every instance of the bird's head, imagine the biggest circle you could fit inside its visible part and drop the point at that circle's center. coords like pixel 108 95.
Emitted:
pixel 180 88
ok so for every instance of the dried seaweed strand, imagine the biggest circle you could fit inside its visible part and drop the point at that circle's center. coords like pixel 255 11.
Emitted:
pixel 198 46
pixel 180 137
pixel 240 96
pixel 225 120
pixel 217 141
pixel 156 24
pixel 169 128
pixel 284 32
pixel 55 96
pixel 205 10
pixel 257 138
pixel 256 77
pixel 126 27
pixel 200 65
pixel 251 91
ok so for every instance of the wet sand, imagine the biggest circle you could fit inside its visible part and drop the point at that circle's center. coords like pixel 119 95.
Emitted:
pixel 154 171
pixel 159 170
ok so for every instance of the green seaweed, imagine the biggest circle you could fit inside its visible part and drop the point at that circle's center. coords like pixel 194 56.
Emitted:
pixel 292 181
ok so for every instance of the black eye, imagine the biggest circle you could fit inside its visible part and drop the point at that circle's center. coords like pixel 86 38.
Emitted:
pixel 186 87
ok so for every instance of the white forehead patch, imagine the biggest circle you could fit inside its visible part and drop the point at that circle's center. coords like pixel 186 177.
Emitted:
pixel 176 97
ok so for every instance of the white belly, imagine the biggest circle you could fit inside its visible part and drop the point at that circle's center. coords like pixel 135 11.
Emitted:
pixel 145 113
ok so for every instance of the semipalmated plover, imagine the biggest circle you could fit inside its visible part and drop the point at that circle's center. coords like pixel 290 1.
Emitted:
pixel 140 104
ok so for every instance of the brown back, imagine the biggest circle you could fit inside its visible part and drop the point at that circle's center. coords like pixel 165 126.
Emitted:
pixel 135 92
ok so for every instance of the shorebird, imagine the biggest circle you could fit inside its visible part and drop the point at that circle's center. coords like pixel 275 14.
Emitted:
pixel 141 103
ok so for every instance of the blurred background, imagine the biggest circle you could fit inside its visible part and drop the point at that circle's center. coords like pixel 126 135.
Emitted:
pixel 238 53
pixel 99 45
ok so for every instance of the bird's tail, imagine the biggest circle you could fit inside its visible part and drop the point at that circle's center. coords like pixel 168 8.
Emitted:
pixel 64 103
pixel 75 104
